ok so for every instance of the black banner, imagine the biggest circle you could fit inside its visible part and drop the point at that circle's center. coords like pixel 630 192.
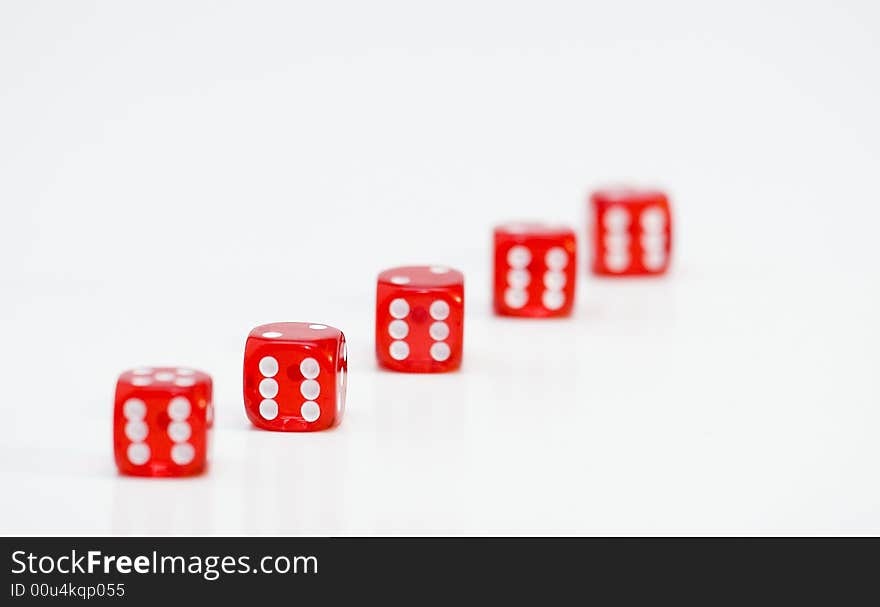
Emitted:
pixel 423 570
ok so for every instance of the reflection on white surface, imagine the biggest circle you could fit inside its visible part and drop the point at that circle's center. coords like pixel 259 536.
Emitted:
pixel 147 506
pixel 659 407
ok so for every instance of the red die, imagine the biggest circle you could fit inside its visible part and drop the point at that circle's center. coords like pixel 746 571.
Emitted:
pixel 161 420
pixel 535 270
pixel 295 376
pixel 631 232
pixel 420 319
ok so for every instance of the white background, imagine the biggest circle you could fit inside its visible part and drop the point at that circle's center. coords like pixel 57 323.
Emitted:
pixel 174 173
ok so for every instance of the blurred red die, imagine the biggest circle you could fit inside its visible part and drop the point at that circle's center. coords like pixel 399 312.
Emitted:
pixel 161 421
pixel 631 232
pixel 535 270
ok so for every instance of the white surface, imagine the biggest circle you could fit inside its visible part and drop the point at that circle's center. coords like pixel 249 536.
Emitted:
pixel 174 174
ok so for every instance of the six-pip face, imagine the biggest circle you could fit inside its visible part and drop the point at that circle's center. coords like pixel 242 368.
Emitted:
pixel 631 232
pixel 420 319
pixel 161 420
pixel 535 270
pixel 295 376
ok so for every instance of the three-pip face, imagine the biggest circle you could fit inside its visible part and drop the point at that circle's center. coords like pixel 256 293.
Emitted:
pixel 535 270
pixel 295 376
pixel 420 319
pixel 631 232
pixel 161 419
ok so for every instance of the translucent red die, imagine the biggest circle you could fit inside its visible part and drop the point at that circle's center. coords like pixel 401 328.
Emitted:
pixel 631 232
pixel 161 421
pixel 295 376
pixel 535 270
pixel 420 319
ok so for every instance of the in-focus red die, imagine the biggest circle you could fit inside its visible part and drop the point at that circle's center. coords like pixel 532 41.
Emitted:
pixel 631 232
pixel 161 420
pixel 295 376
pixel 420 319
pixel 535 270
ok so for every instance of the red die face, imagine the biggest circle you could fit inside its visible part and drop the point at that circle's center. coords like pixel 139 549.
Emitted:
pixel 420 319
pixel 535 270
pixel 631 231
pixel 161 420
pixel 295 376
